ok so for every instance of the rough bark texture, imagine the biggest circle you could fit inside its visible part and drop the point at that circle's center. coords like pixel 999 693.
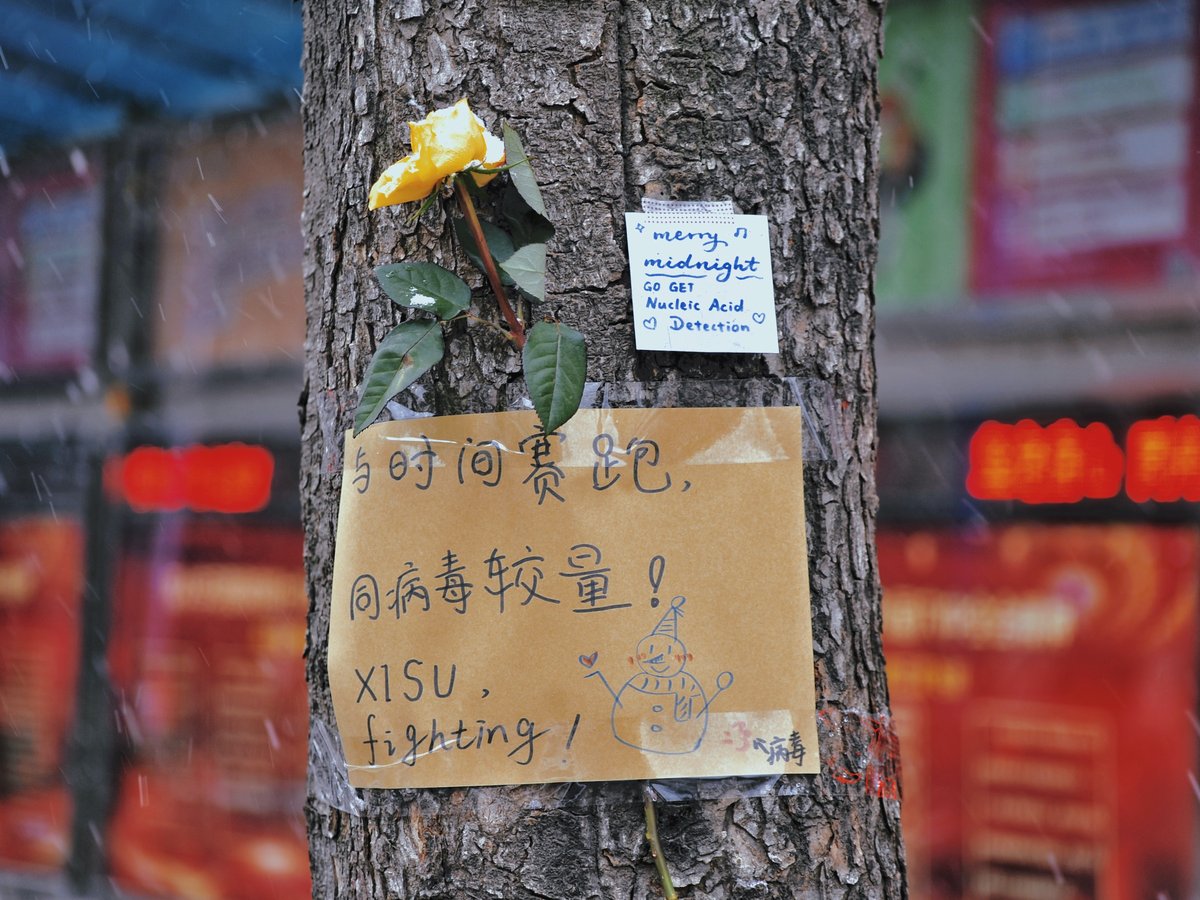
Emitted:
pixel 772 104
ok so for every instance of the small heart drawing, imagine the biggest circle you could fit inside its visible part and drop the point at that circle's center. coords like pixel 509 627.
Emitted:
pixel 758 318
pixel 589 661
pixel 650 324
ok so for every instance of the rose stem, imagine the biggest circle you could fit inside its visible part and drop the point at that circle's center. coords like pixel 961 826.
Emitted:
pixel 660 861
pixel 489 264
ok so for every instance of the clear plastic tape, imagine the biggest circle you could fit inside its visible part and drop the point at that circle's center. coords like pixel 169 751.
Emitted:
pixel 720 789
pixel 328 413
pixel 824 439
pixel 859 749
pixel 327 771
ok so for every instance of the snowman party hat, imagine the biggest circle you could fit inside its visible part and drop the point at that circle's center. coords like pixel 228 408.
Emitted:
pixel 669 623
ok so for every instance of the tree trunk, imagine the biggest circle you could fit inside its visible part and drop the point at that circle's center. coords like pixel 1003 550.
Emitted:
pixel 770 104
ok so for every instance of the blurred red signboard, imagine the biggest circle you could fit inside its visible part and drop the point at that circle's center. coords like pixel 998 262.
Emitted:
pixel 206 657
pixel 41 586
pixel 1067 462
pixel 225 478
pixel 1085 162
pixel 1163 460
pixel 1043 685
pixel 1061 463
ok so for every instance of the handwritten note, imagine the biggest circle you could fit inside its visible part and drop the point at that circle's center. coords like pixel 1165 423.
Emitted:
pixel 626 598
pixel 702 284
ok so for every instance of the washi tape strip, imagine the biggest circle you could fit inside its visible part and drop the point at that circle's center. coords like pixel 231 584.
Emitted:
pixel 667 211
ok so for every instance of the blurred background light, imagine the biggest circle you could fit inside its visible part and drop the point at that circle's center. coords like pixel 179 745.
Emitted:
pixel 228 478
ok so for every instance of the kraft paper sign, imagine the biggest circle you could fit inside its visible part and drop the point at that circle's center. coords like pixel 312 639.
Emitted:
pixel 701 283
pixel 624 599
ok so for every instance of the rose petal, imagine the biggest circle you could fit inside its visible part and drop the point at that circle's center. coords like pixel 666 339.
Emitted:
pixel 449 139
pixel 404 181
pixel 492 159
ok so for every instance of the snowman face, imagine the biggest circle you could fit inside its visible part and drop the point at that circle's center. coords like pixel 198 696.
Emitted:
pixel 660 655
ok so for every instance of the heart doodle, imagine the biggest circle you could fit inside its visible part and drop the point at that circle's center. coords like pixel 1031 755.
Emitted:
pixel 758 318
pixel 589 661
pixel 650 324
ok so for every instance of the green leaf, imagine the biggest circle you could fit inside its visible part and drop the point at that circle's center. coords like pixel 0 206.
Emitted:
pixel 527 267
pixel 521 172
pixel 425 286
pixel 555 362
pixel 498 242
pixel 403 356
pixel 526 225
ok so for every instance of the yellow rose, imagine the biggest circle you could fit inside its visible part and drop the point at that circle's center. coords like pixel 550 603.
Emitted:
pixel 445 142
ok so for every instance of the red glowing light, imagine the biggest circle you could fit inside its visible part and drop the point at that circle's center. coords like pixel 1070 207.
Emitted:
pixel 226 478
pixel 1060 463
pixel 1163 460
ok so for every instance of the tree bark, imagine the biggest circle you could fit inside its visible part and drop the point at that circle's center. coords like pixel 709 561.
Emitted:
pixel 770 104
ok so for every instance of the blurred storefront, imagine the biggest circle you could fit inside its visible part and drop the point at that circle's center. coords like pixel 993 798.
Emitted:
pixel 1039 466
pixel 152 608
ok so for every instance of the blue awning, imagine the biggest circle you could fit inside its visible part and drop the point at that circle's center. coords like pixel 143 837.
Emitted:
pixel 77 70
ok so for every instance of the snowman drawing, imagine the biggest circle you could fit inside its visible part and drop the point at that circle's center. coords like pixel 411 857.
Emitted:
pixel 662 708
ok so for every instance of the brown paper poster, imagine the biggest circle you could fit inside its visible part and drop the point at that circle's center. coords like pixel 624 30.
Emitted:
pixel 624 599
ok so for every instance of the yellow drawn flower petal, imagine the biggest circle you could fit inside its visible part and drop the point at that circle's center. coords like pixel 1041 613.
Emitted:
pixel 449 139
pixel 409 179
